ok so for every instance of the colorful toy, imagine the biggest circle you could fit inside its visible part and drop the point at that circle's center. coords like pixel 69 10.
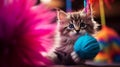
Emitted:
pixel 109 41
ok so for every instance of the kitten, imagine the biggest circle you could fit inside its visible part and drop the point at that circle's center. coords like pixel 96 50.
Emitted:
pixel 70 27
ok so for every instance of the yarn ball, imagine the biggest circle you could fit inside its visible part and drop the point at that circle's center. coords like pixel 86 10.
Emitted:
pixel 86 47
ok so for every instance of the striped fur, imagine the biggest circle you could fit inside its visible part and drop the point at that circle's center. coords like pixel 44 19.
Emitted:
pixel 70 27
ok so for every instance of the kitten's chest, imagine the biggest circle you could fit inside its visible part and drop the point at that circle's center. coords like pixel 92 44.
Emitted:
pixel 66 44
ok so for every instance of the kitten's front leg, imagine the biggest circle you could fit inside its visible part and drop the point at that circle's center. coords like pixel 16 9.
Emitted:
pixel 64 58
pixel 76 58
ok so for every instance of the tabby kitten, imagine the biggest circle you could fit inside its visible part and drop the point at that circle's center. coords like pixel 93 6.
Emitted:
pixel 70 27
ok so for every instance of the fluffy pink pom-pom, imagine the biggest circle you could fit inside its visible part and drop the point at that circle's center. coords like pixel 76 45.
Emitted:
pixel 26 32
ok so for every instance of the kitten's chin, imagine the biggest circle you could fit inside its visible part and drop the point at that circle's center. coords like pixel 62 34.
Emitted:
pixel 82 32
pixel 78 34
pixel 74 34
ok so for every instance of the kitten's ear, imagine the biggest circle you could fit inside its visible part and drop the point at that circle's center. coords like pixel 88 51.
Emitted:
pixel 82 12
pixel 85 13
pixel 61 15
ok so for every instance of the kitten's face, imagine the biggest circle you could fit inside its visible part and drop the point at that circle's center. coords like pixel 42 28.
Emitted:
pixel 75 23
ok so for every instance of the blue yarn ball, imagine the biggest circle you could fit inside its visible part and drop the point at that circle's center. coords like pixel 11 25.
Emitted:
pixel 86 47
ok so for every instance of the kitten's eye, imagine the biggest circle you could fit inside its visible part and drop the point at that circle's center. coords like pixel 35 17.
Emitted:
pixel 82 25
pixel 71 26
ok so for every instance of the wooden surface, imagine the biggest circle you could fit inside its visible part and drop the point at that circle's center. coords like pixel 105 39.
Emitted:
pixel 82 66
pixel 90 64
pixel 85 66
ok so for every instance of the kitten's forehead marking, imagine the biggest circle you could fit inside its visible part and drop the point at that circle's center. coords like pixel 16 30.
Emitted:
pixel 74 16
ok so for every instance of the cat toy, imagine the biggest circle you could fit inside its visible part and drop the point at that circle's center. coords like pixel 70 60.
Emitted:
pixel 86 46
pixel 68 6
pixel 109 41
pixel 26 33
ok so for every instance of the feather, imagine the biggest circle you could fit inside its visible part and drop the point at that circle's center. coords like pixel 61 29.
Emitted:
pixel 26 33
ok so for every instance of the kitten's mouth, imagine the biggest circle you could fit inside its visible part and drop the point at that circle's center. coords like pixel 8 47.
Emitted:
pixel 78 33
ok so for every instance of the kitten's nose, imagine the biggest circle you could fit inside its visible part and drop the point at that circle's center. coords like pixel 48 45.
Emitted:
pixel 77 31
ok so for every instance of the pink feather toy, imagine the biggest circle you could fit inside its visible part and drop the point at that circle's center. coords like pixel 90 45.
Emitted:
pixel 26 32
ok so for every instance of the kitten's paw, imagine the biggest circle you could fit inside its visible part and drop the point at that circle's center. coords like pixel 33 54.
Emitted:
pixel 75 57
